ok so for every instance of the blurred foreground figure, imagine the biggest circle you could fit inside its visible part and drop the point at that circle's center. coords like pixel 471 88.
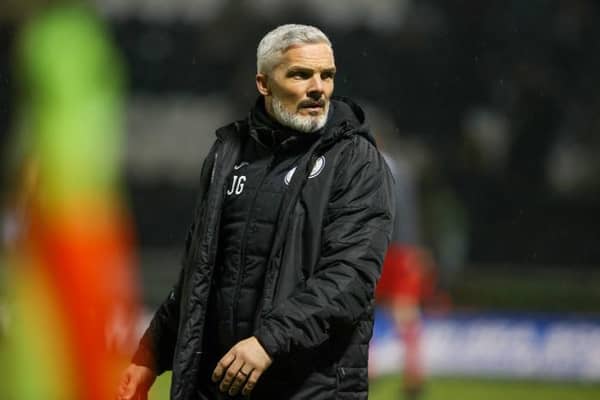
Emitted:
pixel 294 215
pixel 68 245
pixel 408 278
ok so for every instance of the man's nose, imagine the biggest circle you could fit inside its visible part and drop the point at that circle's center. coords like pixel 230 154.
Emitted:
pixel 315 91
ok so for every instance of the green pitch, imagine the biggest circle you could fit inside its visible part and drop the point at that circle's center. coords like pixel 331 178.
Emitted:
pixel 388 388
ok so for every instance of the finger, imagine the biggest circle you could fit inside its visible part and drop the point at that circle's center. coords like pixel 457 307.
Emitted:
pixel 122 386
pixel 238 382
pixel 222 366
pixel 230 374
pixel 125 397
pixel 246 370
pixel 251 382
pixel 126 392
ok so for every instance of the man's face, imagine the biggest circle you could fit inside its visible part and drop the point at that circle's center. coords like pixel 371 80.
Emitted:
pixel 298 90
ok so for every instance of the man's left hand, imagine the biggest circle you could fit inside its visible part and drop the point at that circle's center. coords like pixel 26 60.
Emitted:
pixel 241 366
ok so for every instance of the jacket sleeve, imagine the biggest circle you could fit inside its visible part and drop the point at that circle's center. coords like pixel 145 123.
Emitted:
pixel 157 345
pixel 356 234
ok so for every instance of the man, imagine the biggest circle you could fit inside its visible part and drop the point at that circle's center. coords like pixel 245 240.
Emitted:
pixel 275 298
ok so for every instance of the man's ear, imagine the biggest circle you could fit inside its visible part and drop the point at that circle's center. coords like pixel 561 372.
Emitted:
pixel 262 84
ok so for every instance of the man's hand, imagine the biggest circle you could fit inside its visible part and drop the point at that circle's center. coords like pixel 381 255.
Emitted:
pixel 243 364
pixel 135 383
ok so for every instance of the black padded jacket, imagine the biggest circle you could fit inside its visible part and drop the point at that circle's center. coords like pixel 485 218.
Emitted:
pixel 315 316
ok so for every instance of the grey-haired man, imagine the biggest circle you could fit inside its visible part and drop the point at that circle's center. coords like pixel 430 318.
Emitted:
pixel 275 297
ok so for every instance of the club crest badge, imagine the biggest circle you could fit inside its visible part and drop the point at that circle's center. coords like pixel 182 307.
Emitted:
pixel 288 176
pixel 316 170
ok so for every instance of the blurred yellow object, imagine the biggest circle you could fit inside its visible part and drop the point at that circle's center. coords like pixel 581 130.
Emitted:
pixel 36 341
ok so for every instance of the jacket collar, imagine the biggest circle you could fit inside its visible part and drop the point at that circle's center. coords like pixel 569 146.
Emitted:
pixel 346 118
pixel 271 134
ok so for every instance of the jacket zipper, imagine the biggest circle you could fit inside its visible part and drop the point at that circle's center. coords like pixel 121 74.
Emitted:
pixel 242 269
pixel 215 237
pixel 197 354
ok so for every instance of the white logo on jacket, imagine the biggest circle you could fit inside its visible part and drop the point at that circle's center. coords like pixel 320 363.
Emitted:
pixel 316 170
pixel 237 185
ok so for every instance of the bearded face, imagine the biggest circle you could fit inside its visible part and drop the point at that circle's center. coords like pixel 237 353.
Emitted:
pixel 298 90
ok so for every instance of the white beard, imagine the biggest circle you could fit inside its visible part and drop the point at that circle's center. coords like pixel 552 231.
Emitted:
pixel 302 123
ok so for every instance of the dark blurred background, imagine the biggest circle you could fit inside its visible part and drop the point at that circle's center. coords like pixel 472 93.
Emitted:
pixel 490 110
pixel 493 105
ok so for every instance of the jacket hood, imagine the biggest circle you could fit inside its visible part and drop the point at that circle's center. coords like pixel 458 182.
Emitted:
pixel 348 119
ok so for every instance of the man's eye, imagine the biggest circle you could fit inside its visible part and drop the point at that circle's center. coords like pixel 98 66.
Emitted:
pixel 300 75
pixel 327 75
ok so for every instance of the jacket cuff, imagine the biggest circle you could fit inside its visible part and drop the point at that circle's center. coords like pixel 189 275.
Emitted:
pixel 143 356
pixel 267 341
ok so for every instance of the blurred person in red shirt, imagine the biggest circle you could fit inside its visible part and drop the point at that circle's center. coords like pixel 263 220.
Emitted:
pixel 408 277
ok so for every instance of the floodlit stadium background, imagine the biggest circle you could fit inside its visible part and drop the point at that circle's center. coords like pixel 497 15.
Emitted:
pixel 492 107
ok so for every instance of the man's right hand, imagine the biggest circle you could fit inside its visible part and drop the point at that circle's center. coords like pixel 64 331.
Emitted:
pixel 135 383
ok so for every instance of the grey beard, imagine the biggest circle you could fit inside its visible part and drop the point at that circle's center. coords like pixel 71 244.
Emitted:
pixel 305 124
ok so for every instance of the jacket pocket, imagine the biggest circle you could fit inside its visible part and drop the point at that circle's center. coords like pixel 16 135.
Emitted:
pixel 290 267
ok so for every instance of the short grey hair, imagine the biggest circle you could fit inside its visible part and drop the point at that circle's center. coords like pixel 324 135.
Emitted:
pixel 280 39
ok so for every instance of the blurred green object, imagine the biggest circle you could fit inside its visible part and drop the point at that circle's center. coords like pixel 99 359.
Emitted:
pixel 528 289
pixel 160 389
pixel 388 388
pixel 72 100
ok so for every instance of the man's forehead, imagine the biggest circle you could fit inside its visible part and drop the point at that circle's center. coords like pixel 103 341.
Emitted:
pixel 318 55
